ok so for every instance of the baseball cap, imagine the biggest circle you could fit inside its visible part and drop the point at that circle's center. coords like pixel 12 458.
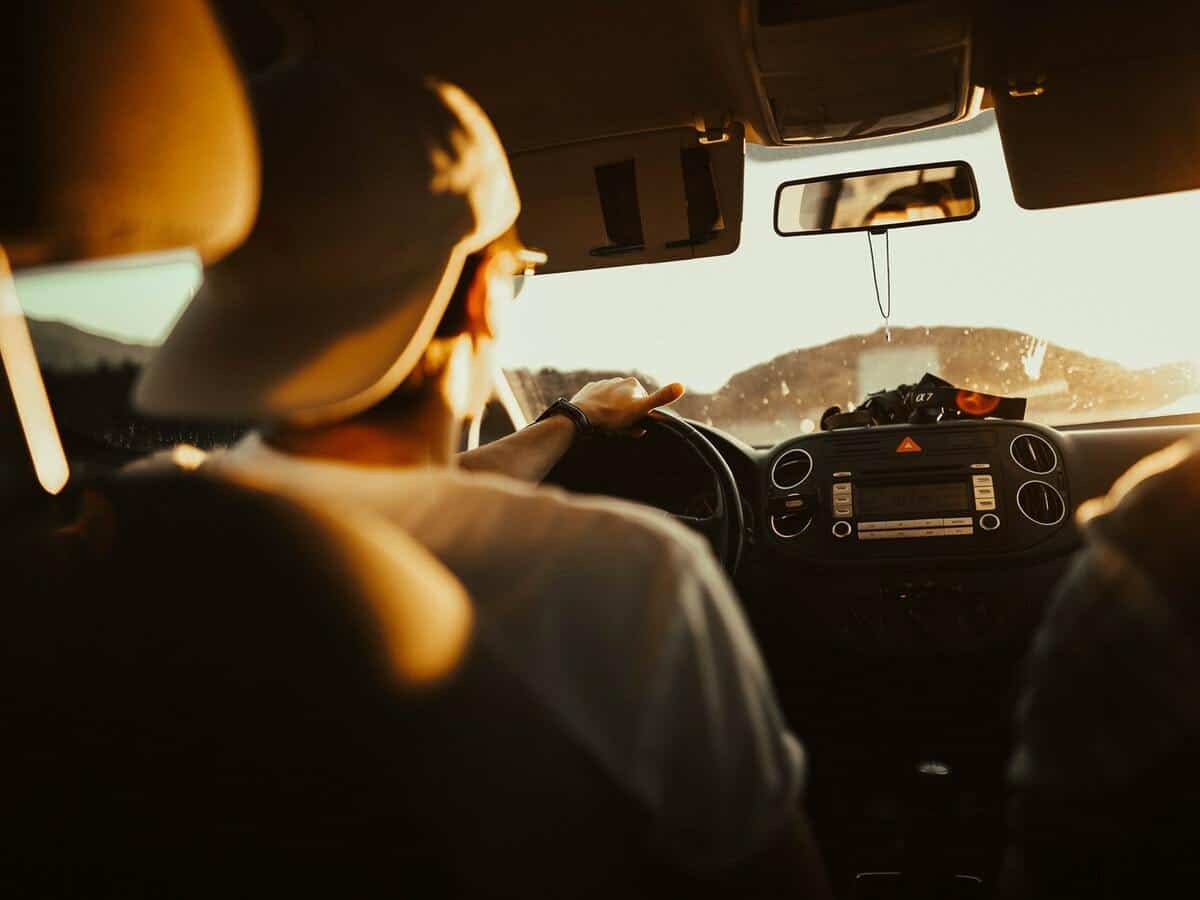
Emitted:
pixel 374 192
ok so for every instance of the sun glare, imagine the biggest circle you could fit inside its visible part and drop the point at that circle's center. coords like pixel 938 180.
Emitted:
pixel 28 390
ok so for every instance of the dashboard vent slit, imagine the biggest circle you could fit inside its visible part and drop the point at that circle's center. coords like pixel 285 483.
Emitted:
pixel 1033 454
pixel 1041 503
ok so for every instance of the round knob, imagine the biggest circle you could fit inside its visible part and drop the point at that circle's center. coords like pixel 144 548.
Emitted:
pixel 989 521
pixel 841 529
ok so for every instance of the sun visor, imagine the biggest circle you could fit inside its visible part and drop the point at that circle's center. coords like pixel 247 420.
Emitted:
pixel 126 131
pixel 650 197
pixel 1103 133
pixel 1100 105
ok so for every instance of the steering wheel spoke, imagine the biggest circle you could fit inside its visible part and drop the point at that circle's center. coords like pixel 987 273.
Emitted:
pixel 722 527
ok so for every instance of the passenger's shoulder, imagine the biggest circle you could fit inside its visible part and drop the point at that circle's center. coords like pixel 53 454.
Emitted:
pixel 1138 515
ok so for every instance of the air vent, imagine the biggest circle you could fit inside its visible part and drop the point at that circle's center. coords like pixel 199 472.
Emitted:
pixel 1041 503
pixel 1033 454
pixel 857 445
pixel 791 469
pixel 791 526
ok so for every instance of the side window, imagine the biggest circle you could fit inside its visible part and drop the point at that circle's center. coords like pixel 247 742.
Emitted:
pixel 94 326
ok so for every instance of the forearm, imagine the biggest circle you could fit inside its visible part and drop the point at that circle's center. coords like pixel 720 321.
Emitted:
pixel 528 455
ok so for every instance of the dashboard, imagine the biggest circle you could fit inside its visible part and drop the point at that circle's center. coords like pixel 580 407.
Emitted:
pixel 926 481
pixel 893 578
pixel 902 542
pixel 894 591
pixel 961 490
pixel 966 495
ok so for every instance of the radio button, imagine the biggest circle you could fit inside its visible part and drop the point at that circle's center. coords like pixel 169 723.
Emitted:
pixel 904 533
pixel 841 530
pixel 981 491
pixel 989 522
pixel 982 503
pixel 958 523
pixel 843 487
pixel 982 480
pixel 843 512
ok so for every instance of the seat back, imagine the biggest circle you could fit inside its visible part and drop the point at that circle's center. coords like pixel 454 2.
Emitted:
pixel 201 698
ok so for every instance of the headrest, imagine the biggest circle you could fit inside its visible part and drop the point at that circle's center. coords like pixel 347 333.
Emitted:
pixel 129 132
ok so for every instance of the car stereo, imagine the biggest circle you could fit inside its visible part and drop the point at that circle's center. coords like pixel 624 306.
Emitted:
pixel 956 489
pixel 894 506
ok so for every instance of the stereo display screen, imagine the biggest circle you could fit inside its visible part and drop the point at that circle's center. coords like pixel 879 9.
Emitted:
pixel 905 500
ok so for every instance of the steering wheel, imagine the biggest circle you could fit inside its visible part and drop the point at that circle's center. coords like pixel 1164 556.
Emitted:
pixel 725 527
pixel 672 453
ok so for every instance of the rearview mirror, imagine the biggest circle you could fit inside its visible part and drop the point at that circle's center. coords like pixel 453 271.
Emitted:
pixel 877 200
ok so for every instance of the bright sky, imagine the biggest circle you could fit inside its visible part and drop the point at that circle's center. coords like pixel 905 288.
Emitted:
pixel 1116 280
pixel 135 298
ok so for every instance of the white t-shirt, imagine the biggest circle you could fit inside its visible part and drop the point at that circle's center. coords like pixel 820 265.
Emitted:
pixel 617 617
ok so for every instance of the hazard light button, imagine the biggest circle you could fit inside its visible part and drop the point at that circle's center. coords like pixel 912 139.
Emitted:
pixel 908 445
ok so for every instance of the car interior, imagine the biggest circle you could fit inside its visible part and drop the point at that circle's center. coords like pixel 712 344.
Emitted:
pixel 185 657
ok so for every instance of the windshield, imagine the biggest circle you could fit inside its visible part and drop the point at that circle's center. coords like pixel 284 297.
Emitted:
pixel 1088 311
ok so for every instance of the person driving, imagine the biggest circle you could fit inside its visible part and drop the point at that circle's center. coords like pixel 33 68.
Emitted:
pixel 356 329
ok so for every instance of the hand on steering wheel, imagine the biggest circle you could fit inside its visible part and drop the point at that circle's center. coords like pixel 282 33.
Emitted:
pixel 617 405
pixel 622 406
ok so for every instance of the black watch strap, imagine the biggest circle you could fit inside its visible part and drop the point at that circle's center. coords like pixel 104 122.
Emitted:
pixel 564 407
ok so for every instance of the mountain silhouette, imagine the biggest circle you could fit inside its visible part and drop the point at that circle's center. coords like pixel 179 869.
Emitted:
pixel 64 348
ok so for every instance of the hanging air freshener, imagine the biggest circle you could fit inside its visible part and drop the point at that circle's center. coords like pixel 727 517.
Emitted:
pixel 887 254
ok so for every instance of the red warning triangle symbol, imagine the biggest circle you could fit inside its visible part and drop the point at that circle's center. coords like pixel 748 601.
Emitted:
pixel 908 445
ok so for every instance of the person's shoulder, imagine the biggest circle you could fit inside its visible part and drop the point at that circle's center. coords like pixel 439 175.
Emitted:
pixel 1138 516
pixel 605 518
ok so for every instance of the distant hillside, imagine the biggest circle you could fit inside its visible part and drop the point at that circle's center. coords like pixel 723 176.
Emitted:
pixel 65 348
pixel 994 360
pixel 776 396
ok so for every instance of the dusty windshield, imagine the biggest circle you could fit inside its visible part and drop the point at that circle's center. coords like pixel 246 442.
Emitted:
pixel 1089 311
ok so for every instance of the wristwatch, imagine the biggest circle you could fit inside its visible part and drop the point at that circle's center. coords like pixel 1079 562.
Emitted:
pixel 564 407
